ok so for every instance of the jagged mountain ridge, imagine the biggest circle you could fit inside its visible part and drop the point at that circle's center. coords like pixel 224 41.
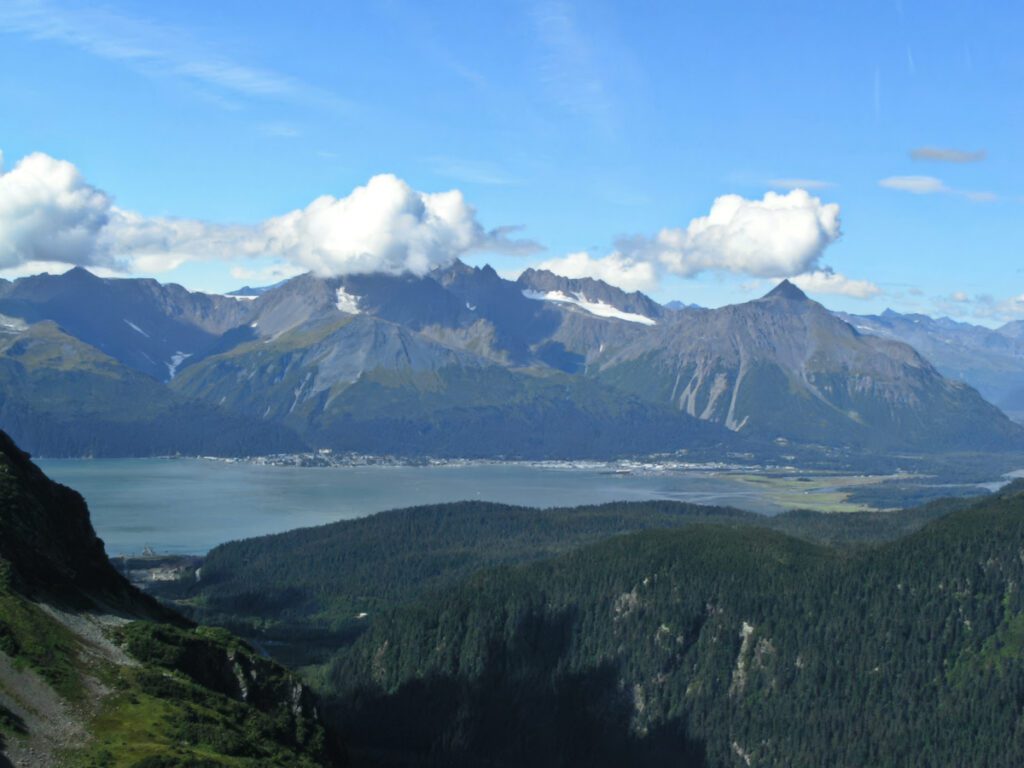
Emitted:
pixel 434 362
pixel 147 325
pixel 784 366
pixel 992 361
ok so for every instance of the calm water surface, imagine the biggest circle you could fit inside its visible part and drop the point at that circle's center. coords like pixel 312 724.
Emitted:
pixel 191 505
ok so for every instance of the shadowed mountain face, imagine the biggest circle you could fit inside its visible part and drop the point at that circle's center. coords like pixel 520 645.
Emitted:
pixel 464 362
pixel 48 544
pixel 1013 329
pixel 150 327
pixel 63 397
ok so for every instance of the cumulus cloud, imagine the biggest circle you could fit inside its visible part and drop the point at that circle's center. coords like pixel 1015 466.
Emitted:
pixel 776 235
pixel 825 281
pixel 385 226
pixel 946 155
pixel 50 214
pixel 616 269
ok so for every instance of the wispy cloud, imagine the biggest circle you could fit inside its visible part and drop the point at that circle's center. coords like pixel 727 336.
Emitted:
pixel 918 185
pixel 982 306
pixel 569 69
pixel 946 155
pixel 472 172
pixel 279 130
pixel 929 185
pixel 798 183
pixel 154 49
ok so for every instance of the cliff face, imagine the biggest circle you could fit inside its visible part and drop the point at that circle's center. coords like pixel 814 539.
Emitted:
pixel 49 545
pixel 93 672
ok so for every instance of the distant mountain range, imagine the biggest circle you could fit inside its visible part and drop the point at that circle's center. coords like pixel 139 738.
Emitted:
pixel 461 362
pixel 991 361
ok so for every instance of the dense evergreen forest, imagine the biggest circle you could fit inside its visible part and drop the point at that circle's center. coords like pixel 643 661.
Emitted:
pixel 652 633
pixel 301 591
pixel 710 645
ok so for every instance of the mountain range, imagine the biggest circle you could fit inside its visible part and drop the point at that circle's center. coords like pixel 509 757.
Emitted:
pixel 461 362
pixel 990 360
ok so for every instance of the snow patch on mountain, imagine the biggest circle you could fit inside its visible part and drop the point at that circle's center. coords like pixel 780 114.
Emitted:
pixel 598 308
pixel 176 360
pixel 136 328
pixel 347 302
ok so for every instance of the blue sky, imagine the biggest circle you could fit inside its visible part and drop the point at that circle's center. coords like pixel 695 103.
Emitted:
pixel 591 125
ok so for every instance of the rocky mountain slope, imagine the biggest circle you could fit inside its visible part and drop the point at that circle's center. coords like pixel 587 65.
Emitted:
pixel 1014 329
pixel 63 397
pixel 146 325
pixel 93 672
pixel 991 361
pixel 785 367
pixel 462 362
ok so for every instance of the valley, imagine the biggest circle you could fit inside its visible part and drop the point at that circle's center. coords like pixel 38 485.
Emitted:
pixel 547 383
pixel 192 505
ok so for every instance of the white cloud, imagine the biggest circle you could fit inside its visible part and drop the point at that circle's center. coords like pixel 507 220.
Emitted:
pixel 49 213
pixel 616 269
pixel 825 281
pixel 981 307
pixel 791 183
pixel 268 275
pixel 385 226
pixel 929 185
pixel 918 185
pixel 160 244
pixel 154 49
pixel 777 235
pixel 946 155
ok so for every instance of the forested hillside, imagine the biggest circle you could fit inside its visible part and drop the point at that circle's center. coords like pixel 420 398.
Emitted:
pixel 710 645
pixel 301 591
